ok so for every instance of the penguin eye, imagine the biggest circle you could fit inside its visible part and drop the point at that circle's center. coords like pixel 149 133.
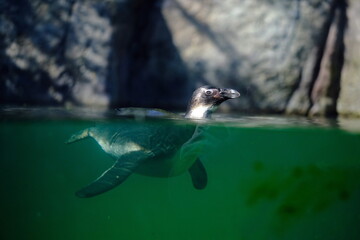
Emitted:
pixel 208 92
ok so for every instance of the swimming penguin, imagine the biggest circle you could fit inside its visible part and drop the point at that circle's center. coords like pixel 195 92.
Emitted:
pixel 152 149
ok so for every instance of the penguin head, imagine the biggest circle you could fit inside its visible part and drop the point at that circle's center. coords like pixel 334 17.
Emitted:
pixel 206 99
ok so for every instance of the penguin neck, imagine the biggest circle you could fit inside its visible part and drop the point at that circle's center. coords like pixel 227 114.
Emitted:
pixel 199 111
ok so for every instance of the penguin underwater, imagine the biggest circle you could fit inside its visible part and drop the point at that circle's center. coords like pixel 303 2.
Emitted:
pixel 153 149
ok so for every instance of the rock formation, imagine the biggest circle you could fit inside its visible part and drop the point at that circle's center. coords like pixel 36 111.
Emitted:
pixel 283 56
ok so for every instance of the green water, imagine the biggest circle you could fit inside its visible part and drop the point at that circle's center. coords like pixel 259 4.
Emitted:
pixel 267 180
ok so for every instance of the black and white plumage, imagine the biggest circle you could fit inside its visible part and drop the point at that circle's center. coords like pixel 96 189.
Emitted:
pixel 154 149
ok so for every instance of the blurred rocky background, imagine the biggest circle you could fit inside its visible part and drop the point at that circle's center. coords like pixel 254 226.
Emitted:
pixel 284 56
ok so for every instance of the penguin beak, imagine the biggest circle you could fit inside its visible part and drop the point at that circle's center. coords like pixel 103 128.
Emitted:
pixel 229 93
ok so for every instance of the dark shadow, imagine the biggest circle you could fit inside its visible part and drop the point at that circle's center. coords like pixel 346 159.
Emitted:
pixel 337 59
pixel 148 69
pixel 339 18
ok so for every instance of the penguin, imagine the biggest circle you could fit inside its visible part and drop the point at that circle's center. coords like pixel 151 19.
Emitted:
pixel 153 149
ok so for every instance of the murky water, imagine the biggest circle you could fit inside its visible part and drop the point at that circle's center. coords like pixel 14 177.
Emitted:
pixel 268 178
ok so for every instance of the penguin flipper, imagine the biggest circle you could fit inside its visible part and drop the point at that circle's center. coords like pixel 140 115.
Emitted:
pixel 112 177
pixel 198 174
pixel 78 136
